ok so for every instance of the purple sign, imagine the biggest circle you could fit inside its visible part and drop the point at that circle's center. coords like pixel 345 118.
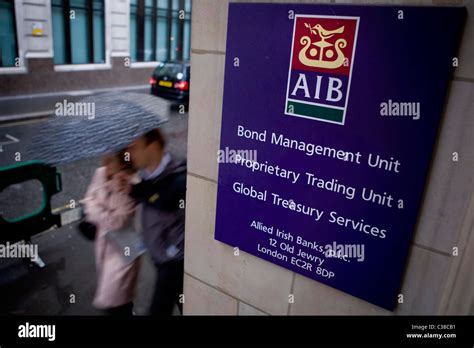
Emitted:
pixel 330 115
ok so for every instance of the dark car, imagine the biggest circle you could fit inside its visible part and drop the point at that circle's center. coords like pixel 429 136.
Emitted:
pixel 170 80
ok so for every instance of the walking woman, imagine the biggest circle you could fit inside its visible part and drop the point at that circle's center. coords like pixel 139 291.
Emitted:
pixel 109 208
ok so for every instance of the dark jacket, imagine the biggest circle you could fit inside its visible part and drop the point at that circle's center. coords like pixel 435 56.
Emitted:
pixel 163 213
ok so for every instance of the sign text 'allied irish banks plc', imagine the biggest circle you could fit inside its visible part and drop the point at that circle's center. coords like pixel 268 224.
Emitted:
pixel 330 116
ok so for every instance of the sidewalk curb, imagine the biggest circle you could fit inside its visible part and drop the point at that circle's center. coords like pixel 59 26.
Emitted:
pixel 73 93
pixel 25 117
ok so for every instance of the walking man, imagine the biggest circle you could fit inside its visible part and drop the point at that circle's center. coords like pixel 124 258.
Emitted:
pixel 161 195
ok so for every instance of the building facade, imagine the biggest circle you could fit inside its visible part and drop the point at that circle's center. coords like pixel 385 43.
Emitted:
pixel 66 45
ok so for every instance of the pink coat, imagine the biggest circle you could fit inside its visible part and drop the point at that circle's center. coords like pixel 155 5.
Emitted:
pixel 109 209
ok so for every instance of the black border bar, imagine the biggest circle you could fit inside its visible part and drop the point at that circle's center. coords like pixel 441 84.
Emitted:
pixel 257 330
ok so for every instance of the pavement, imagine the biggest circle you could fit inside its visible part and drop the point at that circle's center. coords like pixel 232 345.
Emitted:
pixel 69 258
pixel 66 285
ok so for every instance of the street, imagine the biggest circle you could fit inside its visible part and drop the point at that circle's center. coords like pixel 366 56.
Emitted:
pixel 66 285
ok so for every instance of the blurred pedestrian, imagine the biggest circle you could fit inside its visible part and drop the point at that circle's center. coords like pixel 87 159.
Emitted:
pixel 110 208
pixel 161 195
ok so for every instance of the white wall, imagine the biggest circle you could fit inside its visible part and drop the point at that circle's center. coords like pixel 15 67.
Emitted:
pixel 120 27
pixel 117 30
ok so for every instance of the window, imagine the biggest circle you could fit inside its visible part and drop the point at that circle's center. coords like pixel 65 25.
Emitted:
pixel 160 30
pixel 187 31
pixel 78 31
pixel 8 44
